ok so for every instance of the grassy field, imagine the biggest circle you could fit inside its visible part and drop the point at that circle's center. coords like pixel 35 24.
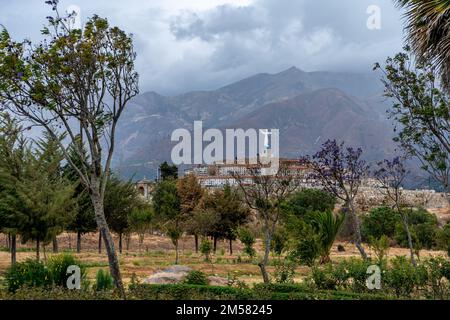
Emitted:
pixel 158 253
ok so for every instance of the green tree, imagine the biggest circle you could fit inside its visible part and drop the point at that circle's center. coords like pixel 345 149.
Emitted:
pixel 422 113
pixel 84 219
pixel 141 220
pixel 121 198
pixel 46 195
pixel 74 79
pixel 304 201
pixel 190 192
pixel 14 156
pixel 168 171
pixel 166 203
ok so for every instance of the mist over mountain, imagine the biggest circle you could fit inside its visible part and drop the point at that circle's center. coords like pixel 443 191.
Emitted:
pixel 307 107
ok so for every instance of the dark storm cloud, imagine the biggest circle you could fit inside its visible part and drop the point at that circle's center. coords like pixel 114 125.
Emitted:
pixel 204 44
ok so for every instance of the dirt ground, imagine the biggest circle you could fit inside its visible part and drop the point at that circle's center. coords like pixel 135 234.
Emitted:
pixel 158 253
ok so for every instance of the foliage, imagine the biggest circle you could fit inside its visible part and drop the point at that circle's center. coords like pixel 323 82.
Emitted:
pixel 424 228
pixel 421 111
pixel 304 201
pixel 380 247
pixel 340 170
pixel 103 281
pixel 31 273
pixel 380 221
pixel 248 240
pixel 196 278
pixel 58 265
pixel 206 248
pixel 306 248
pixel 427 26
pixel 284 270
pixel 168 171
pixel 403 278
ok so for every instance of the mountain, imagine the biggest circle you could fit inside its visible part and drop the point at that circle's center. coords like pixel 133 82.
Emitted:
pixel 307 107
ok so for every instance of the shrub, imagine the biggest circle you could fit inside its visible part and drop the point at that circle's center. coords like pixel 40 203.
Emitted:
pixel 380 221
pixel 381 248
pixel 58 268
pixel 403 278
pixel 284 271
pixel 309 200
pixel 206 248
pixel 31 273
pixel 248 240
pixel 443 238
pixel 197 278
pixel 423 228
pixel 307 248
pixel 103 281
pixel 439 277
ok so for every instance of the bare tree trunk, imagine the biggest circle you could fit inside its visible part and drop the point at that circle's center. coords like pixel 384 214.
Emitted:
pixel 120 243
pixel 8 241
pixel 176 251
pixel 410 244
pixel 55 244
pixel 102 225
pixel 128 241
pixel 78 241
pixel 263 263
pixel 357 232
pixel 215 244
pixel 196 242
pixel 99 242
pixel 38 245
pixel 13 248
pixel 231 247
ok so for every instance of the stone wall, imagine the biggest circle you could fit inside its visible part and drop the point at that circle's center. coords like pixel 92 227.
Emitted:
pixel 369 197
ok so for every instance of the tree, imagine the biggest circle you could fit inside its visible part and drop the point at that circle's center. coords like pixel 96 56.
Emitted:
pixel 421 112
pixel 14 156
pixel 140 220
pixel 74 79
pixel 266 194
pixel 121 198
pixel 168 171
pixel 327 226
pixel 304 201
pixel 427 25
pixel 340 170
pixel 190 192
pixel 84 220
pixel 391 175
pixel 47 197
pixel 166 202
pixel 228 213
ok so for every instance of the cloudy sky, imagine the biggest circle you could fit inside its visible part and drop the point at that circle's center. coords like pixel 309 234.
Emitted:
pixel 187 45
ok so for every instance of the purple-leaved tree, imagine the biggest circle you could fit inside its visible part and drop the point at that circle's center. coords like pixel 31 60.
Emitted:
pixel 339 170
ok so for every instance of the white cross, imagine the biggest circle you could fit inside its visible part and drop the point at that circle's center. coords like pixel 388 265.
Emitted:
pixel 266 134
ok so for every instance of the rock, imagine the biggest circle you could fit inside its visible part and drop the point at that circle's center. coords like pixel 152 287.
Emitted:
pixel 218 281
pixel 171 275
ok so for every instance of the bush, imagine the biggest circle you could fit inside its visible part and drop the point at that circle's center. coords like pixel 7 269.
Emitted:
pixel 58 268
pixel 423 227
pixel 206 248
pixel 31 273
pixel 403 278
pixel 439 277
pixel 284 271
pixel 307 248
pixel 443 238
pixel 380 221
pixel 248 240
pixel 196 278
pixel 103 281
pixel 380 247
pixel 309 200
